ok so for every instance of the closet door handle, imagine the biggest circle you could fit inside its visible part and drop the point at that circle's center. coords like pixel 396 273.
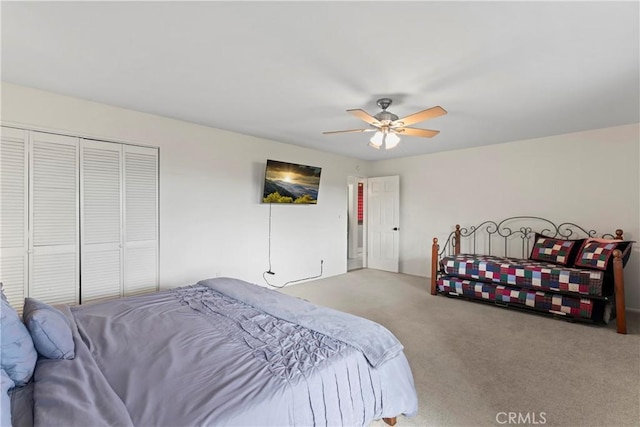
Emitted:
pixel 395 228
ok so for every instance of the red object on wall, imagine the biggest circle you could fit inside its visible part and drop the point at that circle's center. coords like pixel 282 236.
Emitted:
pixel 360 203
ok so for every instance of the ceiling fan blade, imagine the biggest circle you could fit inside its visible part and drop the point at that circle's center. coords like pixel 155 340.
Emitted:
pixel 363 115
pixel 425 133
pixel 429 113
pixel 350 130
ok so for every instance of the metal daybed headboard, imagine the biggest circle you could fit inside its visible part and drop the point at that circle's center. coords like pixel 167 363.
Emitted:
pixel 508 231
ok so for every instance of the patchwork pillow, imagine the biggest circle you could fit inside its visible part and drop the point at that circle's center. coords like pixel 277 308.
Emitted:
pixel 17 353
pixel 598 253
pixel 557 251
pixel 50 330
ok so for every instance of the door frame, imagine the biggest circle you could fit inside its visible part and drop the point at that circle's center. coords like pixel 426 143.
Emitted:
pixel 352 220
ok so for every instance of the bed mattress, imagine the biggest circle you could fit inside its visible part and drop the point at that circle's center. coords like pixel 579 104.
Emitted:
pixel 559 304
pixel 524 273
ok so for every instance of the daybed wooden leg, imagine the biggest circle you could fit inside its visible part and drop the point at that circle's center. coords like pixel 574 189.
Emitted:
pixel 390 421
pixel 618 277
pixel 434 265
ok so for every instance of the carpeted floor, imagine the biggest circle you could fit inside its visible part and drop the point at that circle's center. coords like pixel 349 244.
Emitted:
pixel 473 363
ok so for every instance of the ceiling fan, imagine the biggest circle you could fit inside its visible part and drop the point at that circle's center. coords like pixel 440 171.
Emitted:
pixel 387 126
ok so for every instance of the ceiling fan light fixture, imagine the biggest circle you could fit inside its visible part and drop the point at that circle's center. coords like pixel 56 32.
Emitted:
pixel 388 139
pixel 391 141
pixel 377 140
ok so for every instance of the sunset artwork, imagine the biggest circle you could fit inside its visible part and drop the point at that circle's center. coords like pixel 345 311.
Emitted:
pixel 291 183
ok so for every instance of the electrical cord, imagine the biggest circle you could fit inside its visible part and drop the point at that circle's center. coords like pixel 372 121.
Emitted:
pixel 264 274
pixel 293 281
pixel 269 270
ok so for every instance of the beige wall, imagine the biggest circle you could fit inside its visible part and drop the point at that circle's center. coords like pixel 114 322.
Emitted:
pixel 589 178
pixel 212 223
pixel 211 220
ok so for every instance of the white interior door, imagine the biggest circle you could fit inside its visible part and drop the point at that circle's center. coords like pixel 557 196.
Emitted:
pixel 140 219
pixel 383 208
pixel 14 216
pixel 54 233
pixel 101 220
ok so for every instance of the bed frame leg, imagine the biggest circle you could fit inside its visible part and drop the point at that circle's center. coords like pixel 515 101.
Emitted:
pixel 390 421
pixel 434 266
pixel 618 277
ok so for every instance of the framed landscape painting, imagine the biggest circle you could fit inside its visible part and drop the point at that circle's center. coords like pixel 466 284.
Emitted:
pixel 291 183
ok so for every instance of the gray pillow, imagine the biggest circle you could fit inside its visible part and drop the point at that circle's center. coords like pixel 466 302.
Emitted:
pixel 50 330
pixel 17 355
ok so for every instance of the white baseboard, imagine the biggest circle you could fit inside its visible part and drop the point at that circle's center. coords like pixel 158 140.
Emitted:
pixel 634 310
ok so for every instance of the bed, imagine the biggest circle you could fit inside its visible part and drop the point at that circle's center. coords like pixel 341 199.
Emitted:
pixel 530 263
pixel 220 352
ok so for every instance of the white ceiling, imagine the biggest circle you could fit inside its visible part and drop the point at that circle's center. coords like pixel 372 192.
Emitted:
pixel 286 71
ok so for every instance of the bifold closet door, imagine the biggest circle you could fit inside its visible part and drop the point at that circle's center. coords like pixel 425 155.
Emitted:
pixel 53 215
pixel 14 215
pixel 100 220
pixel 140 219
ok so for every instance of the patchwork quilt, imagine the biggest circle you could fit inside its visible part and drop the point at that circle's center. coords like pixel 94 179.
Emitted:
pixel 524 273
pixel 565 305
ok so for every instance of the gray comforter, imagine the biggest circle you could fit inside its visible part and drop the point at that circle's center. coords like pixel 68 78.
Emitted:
pixel 222 352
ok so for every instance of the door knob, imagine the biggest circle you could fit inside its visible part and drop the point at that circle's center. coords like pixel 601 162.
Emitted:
pixel 395 228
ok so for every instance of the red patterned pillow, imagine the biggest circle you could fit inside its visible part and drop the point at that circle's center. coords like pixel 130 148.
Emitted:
pixel 557 251
pixel 598 253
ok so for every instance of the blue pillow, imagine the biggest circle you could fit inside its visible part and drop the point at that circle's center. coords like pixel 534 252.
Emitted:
pixel 50 330
pixel 17 354
pixel 5 406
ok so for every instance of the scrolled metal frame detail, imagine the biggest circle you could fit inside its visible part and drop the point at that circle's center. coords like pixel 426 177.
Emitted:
pixel 504 230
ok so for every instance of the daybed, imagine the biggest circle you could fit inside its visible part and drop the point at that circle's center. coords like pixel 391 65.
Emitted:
pixel 562 270
pixel 221 352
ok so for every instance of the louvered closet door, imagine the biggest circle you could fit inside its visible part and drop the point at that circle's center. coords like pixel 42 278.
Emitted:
pixel 100 220
pixel 14 215
pixel 54 240
pixel 140 219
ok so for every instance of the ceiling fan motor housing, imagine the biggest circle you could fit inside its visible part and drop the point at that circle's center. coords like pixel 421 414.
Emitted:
pixel 385 115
